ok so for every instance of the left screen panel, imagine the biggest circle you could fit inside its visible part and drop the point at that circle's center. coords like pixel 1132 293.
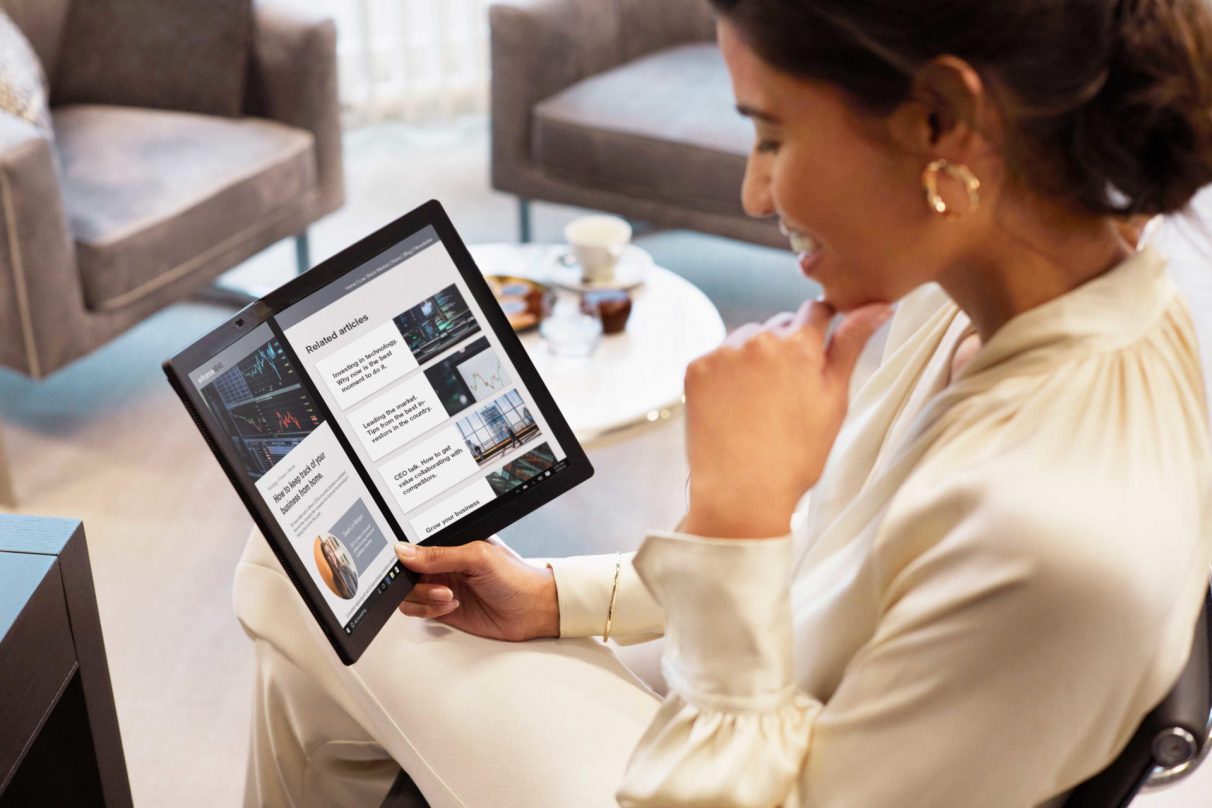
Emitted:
pixel 271 423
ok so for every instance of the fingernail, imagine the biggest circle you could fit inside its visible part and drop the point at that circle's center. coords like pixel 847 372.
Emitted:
pixel 405 550
pixel 441 593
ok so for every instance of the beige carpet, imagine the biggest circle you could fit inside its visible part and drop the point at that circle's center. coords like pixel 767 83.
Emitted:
pixel 106 441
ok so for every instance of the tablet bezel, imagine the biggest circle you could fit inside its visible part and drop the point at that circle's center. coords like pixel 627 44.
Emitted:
pixel 349 647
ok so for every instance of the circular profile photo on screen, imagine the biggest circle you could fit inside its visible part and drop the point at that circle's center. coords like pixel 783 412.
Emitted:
pixel 336 566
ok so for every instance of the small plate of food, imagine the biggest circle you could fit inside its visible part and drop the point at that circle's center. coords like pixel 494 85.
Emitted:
pixel 521 299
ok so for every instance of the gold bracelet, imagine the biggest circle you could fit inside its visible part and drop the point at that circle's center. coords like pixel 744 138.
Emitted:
pixel 614 592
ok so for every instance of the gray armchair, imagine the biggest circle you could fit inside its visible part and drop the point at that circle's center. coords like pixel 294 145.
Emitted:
pixel 619 105
pixel 128 210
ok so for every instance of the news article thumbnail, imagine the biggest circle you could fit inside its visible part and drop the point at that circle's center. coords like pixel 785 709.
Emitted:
pixel 335 566
pixel 262 407
pixel 347 550
pixel 498 427
pixel 519 470
pixel 473 374
pixel 437 323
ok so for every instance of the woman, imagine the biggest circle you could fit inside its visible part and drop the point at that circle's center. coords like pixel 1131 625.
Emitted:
pixel 1008 540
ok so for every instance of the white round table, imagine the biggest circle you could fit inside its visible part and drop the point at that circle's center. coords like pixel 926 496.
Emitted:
pixel 633 376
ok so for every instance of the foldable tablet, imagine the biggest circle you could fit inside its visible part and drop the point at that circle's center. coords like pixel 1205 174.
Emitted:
pixel 379 397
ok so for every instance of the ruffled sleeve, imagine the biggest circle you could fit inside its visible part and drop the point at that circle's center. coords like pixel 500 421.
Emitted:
pixel 734 730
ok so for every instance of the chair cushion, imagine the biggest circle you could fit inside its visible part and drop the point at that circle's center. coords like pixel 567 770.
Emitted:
pixel 187 55
pixel 22 86
pixel 150 193
pixel 662 127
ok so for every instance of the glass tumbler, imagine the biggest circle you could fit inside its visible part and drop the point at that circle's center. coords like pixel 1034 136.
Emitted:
pixel 567 328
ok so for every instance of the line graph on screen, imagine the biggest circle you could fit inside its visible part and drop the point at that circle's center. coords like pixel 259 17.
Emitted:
pixel 287 420
pixel 253 423
pixel 264 360
pixel 484 374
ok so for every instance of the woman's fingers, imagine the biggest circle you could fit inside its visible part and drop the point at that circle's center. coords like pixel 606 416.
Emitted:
pixel 813 315
pixel 742 334
pixel 780 320
pixel 468 559
pixel 430 593
pixel 851 335
pixel 429 600
pixel 428 610
pixel 778 323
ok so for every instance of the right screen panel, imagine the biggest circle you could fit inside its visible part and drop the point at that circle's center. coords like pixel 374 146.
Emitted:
pixel 421 387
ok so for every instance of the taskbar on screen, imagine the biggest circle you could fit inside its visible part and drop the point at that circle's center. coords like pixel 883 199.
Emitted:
pixel 389 578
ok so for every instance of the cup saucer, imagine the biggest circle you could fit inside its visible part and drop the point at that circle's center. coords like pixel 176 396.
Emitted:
pixel 630 271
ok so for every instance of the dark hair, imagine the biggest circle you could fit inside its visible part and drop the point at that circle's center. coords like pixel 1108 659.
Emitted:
pixel 1107 102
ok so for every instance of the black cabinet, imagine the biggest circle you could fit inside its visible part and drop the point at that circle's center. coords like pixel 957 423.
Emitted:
pixel 59 739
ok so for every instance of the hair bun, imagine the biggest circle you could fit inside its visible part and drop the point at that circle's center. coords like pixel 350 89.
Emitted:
pixel 1143 144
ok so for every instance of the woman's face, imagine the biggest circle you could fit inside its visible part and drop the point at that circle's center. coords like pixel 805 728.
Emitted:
pixel 844 180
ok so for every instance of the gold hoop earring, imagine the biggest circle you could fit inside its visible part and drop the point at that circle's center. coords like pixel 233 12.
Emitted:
pixel 961 174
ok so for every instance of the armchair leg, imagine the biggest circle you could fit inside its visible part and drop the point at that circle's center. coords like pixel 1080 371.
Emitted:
pixel 524 220
pixel 302 252
pixel 8 497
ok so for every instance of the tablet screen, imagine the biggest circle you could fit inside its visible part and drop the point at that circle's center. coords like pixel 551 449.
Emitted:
pixel 395 363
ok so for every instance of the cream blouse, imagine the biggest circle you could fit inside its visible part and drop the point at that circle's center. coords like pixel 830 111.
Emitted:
pixel 997 579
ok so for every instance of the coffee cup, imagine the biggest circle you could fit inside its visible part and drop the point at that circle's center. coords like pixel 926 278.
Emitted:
pixel 597 242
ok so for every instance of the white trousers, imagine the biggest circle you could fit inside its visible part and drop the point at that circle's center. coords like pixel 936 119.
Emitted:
pixel 476 723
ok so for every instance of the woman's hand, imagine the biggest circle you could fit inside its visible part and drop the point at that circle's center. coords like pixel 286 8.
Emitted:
pixel 762 413
pixel 482 589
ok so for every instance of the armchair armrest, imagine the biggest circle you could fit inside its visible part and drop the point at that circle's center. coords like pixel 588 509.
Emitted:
pixel 293 79
pixel 39 283
pixel 540 47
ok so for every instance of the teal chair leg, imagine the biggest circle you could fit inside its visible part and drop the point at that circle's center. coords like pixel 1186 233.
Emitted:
pixel 302 252
pixel 524 233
